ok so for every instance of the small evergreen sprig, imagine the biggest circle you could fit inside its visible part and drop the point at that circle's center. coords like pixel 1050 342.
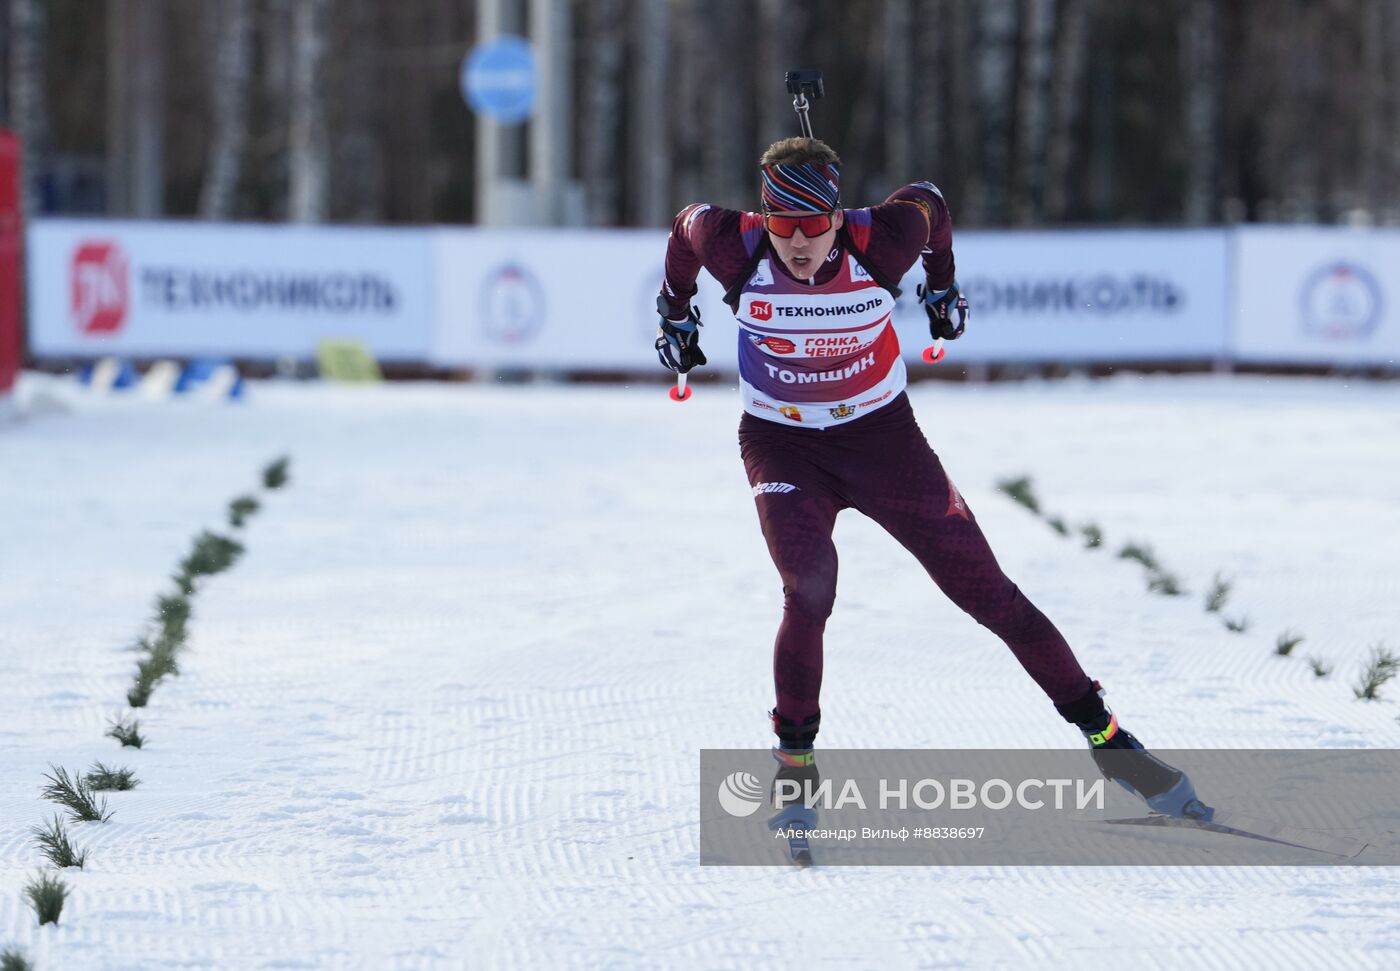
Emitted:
pixel 1320 668
pixel 1286 642
pixel 1218 594
pixel 275 475
pixel 103 778
pixel 53 842
pixel 126 732
pixel 157 664
pixel 1167 584
pixel 1140 553
pixel 173 616
pixel 1093 536
pixel 1382 667
pixel 46 894
pixel 1058 525
pixel 13 959
pixel 1021 491
pixel 210 554
pixel 1237 625
pixel 75 795
pixel 240 509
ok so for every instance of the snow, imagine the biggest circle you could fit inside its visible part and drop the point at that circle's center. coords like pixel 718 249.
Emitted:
pixel 446 712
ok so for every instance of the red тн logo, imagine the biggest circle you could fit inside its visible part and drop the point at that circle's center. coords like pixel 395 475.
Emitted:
pixel 760 310
pixel 100 287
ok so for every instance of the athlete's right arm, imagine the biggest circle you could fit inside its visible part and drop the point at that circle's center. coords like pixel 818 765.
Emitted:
pixel 701 236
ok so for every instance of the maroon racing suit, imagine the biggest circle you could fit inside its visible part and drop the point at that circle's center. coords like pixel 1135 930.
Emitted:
pixel 869 455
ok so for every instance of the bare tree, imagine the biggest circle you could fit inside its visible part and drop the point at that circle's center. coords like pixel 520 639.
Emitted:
pixel 1200 72
pixel 899 91
pixel 308 150
pixel 650 141
pixel 775 48
pixel 27 109
pixel 1066 90
pixel 232 65
pixel 602 107
pixel 690 54
pixel 724 150
pixel 354 104
pixel 996 83
pixel 1032 109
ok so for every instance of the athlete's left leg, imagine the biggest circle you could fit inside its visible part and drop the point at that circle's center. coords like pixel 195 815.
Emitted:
pixel 903 488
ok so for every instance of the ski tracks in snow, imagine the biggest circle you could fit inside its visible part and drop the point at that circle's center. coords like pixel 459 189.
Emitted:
pixel 446 711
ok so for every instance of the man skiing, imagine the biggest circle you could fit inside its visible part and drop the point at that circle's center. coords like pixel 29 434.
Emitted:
pixel 827 426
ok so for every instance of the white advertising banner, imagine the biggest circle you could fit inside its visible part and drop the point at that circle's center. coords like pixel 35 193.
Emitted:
pixel 1080 296
pixel 561 300
pixel 156 289
pixel 1316 295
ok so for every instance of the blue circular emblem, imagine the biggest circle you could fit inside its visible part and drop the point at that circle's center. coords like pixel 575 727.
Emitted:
pixel 498 79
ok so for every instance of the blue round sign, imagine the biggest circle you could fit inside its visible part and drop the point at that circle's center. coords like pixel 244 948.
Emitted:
pixel 498 79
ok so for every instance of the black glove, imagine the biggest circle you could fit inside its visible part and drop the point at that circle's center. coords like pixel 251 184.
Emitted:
pixel 941 306
pixel 678 341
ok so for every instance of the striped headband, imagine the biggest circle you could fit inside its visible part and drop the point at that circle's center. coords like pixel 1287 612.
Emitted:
pixel 806 187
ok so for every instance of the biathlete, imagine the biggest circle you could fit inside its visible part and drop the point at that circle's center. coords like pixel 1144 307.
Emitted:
pixel 827 426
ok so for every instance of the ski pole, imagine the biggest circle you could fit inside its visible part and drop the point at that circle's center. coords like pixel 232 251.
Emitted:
pixel 680 392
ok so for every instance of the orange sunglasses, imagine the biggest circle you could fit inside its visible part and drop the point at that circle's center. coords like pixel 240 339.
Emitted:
pixel 784 226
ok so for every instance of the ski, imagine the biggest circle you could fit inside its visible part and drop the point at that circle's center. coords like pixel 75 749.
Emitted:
pixel 1253 827
pixel 799 849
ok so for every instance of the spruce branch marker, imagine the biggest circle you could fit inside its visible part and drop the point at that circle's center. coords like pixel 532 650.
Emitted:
pixel 1382 667
pixel 103 778
pixel 46 895
pixel 1320 668
pixel 1020 491
pixel 240 509
pixel 13 959
pixel 75 795
pixel 128 733
pixel 1287 641
pixel 53 842
pixel 275 475
pixel 1219 593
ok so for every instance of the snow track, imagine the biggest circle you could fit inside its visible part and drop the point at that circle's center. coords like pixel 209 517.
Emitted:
pixel 446 711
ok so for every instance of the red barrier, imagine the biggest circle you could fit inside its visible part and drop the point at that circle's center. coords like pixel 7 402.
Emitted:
pixel 10 347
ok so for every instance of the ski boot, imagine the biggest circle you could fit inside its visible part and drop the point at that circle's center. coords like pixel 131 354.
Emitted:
pixel 797 765
pixel 1124 760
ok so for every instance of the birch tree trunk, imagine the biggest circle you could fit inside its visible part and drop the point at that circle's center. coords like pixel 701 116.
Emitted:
pixel 1200 70
pixel 899 93
pixel 1066 89
pixel 308 153
pixel 776 50
pixel 604 40
pixel 1032 110
pixel 722 119
pixel 690 38
pixel 650 139
pixel 930 90
pixel 996 52
pixel 27 110
pixel 232 67
pixel 357 173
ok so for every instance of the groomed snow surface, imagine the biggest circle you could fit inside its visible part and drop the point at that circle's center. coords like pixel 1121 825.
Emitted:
pixel 446 711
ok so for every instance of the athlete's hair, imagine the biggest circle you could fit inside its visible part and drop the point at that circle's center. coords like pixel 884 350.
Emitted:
pixel 799 150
